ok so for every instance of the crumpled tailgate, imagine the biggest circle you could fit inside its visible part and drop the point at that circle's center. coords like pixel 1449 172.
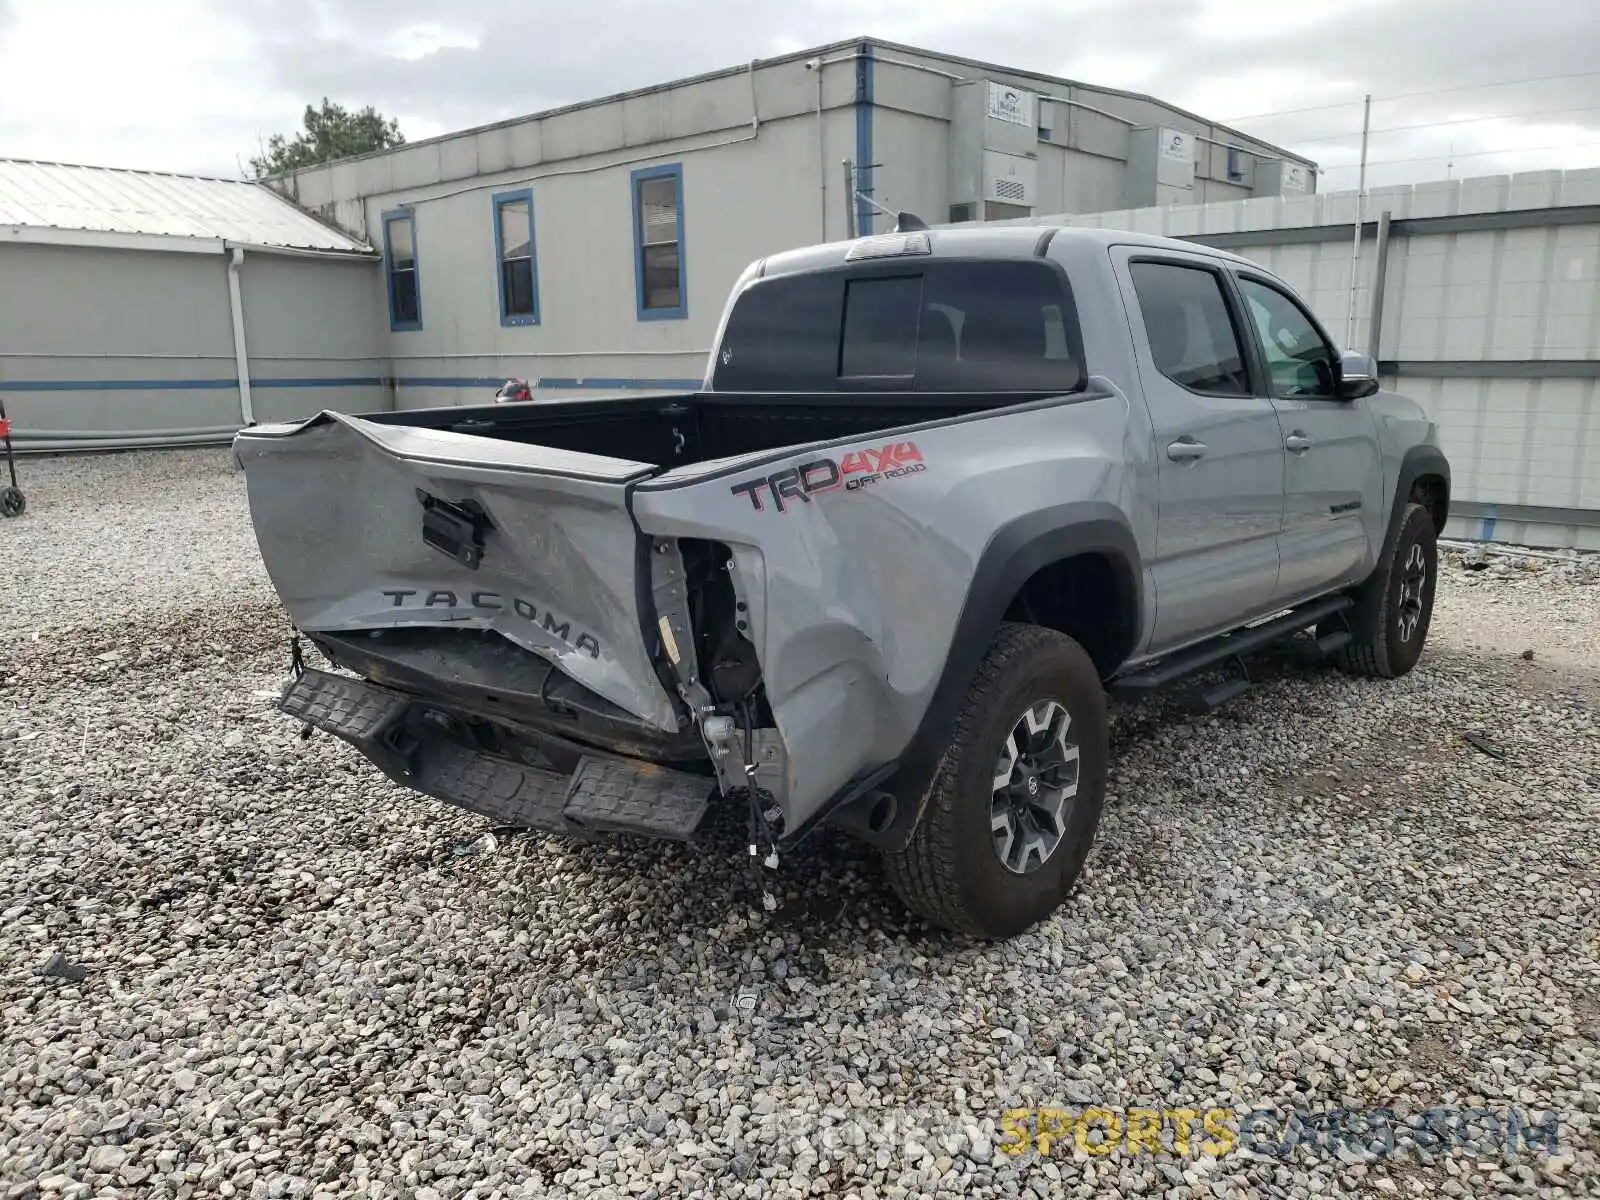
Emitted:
pixel 338 505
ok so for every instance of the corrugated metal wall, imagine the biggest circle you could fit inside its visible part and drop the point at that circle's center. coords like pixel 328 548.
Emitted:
pixel 1490 320
pixel 318 334
pixel 112 347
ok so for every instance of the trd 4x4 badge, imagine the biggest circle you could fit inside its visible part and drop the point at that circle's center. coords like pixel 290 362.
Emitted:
pixel 856 470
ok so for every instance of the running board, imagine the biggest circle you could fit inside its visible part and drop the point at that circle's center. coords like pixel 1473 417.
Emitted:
pixel 1330 644
pixel 1177 666
pixel 1208 700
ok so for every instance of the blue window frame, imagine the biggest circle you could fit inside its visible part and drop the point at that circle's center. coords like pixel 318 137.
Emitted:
pixel 661 283
pixel 400 266
pixel 516 260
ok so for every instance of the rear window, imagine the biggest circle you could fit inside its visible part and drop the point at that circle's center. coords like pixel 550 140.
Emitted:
pixel 880 328
pixel 945 326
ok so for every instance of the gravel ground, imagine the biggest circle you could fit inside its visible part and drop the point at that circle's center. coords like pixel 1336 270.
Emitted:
pixel 301 980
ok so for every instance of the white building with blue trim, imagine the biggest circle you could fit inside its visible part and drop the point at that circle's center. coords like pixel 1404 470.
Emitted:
pixel 139 308
pixel 589 247
pixel 593 246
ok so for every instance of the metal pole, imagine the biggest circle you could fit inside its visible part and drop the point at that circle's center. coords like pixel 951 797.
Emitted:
pixel 241 355
pixel 1380 275
pixel 1355 250
pixel 849 199
pixel 822 160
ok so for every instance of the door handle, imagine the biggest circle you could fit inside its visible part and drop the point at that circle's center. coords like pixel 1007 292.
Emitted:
pixel 1186 449
pixel 1297 443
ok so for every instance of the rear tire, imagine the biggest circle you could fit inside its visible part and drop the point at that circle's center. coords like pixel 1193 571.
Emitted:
pixel 1015 803
pixel 1395 606
pixel 12 502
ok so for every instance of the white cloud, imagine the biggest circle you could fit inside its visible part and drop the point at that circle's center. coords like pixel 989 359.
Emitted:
pixel 427 37
pixel 198 84
pixel 126 84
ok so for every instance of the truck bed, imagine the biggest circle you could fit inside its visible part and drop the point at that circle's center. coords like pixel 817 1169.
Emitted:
pixel 398 540
pixel 551 580
pixel 679 429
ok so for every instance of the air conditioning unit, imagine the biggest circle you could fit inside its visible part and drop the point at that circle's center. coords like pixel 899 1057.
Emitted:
pixel 1161 163
pixel 1275 177
pixel 994 165
pixel 1011 178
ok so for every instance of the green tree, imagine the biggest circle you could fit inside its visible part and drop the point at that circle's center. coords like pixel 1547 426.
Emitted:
pixel 330 132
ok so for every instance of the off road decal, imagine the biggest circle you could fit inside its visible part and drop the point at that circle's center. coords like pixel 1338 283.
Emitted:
pixel 856 470
pixel 494 602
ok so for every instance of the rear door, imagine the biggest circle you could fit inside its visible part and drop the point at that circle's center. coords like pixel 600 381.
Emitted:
pixel 1218 449
pixel 375 526
pixel 1333 478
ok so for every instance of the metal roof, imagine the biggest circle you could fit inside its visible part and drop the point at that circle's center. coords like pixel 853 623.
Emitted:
pixel 81 205
pixel 869 46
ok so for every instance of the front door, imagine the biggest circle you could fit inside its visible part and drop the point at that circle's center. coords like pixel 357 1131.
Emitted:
pixel 1218 449
pixel 1333 486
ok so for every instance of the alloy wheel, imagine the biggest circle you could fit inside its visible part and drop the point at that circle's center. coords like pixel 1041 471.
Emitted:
pixel 1413 577
pixel 1035 782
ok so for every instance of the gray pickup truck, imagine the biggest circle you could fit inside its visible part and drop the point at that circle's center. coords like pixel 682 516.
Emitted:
pixel 941 493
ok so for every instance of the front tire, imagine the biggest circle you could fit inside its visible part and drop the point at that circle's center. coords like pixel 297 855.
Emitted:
pixel 1015 803
pixel 1395 606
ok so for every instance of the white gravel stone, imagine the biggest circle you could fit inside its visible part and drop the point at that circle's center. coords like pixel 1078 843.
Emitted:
pixel 1321 896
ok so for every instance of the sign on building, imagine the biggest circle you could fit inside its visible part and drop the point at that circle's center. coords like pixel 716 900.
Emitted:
pixel 1177 145
pixel 1011 105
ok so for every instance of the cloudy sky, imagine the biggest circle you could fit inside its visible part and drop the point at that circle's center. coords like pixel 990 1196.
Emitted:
pixel 197 85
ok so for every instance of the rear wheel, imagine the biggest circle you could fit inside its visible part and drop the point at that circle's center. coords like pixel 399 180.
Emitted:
pixel 1395 606
pixel 1015 803
pixel 12 502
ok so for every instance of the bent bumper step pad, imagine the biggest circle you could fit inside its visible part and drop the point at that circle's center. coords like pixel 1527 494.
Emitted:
pixel 604 794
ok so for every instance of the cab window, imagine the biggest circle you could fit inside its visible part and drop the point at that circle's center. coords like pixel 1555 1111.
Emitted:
pixel 1192 338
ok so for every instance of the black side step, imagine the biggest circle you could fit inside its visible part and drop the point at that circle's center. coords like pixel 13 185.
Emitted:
pixel 618 795
pixel 1330 644
pixel 1206 700
pixel 1219 649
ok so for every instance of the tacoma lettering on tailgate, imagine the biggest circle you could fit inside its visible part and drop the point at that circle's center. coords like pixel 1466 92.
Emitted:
pixel 494 602
pixel 856 470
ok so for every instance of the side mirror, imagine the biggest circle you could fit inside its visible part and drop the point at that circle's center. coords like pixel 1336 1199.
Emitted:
pixel 1358 376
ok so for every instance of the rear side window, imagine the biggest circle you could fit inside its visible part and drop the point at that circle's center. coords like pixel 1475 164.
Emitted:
pixel 947 326
pixel 1192 338
pixel 782 335
pixel 1014 328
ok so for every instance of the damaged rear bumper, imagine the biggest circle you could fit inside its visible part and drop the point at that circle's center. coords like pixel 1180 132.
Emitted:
pixel 561 790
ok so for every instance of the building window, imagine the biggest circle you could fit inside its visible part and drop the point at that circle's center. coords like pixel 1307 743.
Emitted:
pixel 515 258
pixel 400 255
pixel 660 280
